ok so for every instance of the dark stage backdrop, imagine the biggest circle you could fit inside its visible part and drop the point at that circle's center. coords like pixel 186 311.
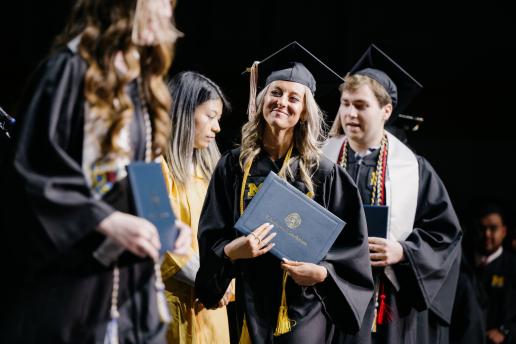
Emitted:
pixel 463 57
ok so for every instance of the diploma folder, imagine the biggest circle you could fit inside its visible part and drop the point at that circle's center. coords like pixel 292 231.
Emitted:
pixel 151 201
pixel 305 230
pixel 377 218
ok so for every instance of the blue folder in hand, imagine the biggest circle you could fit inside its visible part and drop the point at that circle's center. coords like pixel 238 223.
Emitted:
pixel 305 230
pixel 151 200
pixel 377 218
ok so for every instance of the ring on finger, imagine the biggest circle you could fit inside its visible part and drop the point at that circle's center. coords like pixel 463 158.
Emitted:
pixel 255 236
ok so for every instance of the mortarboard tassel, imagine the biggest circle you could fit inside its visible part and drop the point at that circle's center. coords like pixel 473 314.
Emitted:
pixel 164 315
pixel 253 85
pixel 244 336
pixel 284 323
pixel 376 296
pixel 373 328
pixel 384 312
pixel 381 309
pixel 283 326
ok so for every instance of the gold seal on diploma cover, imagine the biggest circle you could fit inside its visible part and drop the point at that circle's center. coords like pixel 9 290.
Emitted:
pixel 293 220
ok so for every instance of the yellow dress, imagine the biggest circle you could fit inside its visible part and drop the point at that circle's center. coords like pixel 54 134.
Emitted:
pixel 189 325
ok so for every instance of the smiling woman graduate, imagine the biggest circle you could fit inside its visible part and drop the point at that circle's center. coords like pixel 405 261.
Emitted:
pixel 282 135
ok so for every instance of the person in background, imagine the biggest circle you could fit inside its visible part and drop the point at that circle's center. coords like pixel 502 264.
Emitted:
pixel 198 104
pixel 495 267
pixel 81 267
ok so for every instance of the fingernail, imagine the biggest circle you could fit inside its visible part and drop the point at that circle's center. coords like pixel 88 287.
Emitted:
pixel 271 226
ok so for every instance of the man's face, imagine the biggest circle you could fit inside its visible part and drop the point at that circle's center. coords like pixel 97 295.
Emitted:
pixel 362 117
pixel 493 232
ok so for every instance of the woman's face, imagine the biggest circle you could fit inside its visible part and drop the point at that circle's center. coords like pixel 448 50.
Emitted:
pixel 284 104
pixel 206 118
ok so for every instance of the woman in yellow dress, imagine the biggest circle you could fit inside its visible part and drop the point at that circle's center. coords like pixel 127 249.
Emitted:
pixel 198 104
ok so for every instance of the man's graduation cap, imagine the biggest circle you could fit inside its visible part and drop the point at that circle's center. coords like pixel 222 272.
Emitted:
pixel 398 83
pixel 6 123
pixel 295 63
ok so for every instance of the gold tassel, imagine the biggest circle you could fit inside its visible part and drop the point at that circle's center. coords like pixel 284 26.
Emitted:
pixel 283 326
pixel 244 336
pixel 373 328
pixel 163 313
pixel 253 85
pixel 375 295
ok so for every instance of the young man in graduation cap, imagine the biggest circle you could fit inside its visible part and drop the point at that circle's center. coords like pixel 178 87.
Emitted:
pixel 416 258
pixel 284 302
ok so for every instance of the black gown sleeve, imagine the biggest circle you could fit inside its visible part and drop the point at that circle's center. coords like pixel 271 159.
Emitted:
pixel 48 153
pixel 215 232
pixel 349 285
pixel 428 279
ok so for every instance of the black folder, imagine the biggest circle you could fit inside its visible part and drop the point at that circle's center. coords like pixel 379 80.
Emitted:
pixel 377 218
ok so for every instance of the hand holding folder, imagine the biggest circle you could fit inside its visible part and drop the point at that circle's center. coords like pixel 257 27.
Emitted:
pixel 151 201
pixel 255 244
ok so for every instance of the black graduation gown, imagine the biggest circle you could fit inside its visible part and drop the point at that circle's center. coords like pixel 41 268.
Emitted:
pixel 468 323
pixel 421 310
pixel 53 290
pixel 341 299
pixel 499 285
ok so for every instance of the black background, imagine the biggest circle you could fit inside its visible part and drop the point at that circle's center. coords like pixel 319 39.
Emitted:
pixel 463 56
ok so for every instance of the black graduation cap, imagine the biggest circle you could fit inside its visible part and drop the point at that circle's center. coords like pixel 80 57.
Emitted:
pixel 292 62
pixel 400 85
pixel 295 63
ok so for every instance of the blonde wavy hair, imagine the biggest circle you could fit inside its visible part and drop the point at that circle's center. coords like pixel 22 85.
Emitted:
pixel 308 137
pixel 105 27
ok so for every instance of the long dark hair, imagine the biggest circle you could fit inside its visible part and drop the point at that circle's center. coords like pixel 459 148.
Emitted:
pixel 189 90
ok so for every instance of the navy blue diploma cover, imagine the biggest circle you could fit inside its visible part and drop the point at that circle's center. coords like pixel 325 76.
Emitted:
pixel 377 218
pixel 151 200
pixel 305 230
